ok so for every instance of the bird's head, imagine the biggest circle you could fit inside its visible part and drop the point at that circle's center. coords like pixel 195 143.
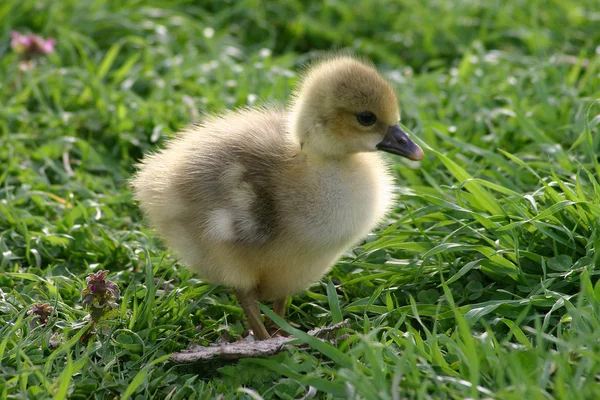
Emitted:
pixel 344 106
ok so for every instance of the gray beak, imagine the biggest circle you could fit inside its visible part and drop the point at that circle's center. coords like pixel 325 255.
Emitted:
pixel 396 141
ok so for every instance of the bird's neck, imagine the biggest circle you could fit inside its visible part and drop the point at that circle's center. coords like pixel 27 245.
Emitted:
pixel 319 158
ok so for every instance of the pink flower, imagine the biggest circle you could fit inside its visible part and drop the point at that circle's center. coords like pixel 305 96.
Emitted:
pixel 100 295
pixel 41 313
pixel 19 43
pixel 31 44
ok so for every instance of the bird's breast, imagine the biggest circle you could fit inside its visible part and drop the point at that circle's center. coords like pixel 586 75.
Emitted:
pixel 340 203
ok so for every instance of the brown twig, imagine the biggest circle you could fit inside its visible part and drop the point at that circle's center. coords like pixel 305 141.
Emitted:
pixel 247 349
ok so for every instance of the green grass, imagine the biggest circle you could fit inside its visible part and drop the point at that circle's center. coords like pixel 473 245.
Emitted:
pixel 483 284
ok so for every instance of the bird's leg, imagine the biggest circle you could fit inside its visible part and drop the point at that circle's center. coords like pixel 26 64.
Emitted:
pixel 279 306
pixel 247 300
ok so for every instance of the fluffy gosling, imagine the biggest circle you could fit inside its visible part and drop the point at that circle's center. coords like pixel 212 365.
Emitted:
pixel 265 200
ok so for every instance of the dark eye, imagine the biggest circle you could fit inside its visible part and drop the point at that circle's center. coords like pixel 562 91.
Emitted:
pixel 366 118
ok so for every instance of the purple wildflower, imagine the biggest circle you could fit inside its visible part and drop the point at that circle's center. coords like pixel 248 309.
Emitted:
pixel 41 313
pixel 100 295
pixel 31 45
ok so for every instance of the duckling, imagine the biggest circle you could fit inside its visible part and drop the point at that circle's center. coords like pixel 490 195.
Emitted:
pixel 265 200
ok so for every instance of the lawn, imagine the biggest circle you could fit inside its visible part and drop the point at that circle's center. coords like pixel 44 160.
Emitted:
pixel 483 283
